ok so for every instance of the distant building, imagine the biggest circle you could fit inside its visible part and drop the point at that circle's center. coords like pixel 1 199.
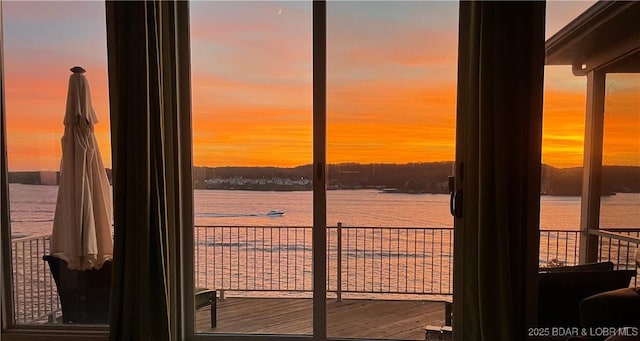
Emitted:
pixel 49 178
pixel 35 178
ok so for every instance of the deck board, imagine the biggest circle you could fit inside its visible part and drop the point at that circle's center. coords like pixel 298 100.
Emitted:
pixel 370 319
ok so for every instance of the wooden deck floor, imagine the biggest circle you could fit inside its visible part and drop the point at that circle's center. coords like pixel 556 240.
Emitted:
pixel 369 319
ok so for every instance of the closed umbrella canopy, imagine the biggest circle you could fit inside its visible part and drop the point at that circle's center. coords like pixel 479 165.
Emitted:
pixel 82 223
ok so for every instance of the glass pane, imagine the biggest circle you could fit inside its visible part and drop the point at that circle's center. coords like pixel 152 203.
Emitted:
pixel 562 148
pixel 391 98
pixel 620 201
pixel 562 154
pixel 42 41
pixel 252 127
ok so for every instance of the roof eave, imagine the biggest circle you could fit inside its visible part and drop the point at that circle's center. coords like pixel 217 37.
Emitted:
pixel 604 32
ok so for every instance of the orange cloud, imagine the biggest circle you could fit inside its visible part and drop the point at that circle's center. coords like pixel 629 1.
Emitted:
pixel 390 97
pixel 563 128
pixel 253 144
pixel 621 144
pixel 563 117
pixel 367 122
pixel 42 41
pixel 35 106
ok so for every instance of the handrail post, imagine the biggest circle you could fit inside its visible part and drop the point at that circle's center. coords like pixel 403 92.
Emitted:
pixel 339 263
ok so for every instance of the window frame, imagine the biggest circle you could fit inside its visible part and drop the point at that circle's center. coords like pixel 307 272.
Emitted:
pixel 319 242
pixel 11 331
pixel 185 287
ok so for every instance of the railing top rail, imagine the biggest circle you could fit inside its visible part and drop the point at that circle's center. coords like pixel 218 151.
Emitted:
pixel 601 231
pixel 328 226
pixel 614 235
pixel 255 226
pixel 28 238
pixel 620 229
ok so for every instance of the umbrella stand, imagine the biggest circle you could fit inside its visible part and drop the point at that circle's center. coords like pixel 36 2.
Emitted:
pixel 84 294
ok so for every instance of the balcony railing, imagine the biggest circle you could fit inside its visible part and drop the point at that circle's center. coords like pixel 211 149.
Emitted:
pixel 34 292
pixel 619 246
pixel 559 246
pixel 361 261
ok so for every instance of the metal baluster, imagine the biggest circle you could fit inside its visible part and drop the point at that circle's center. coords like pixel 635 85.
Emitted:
pixel 557 240
pixel 441 261
pixel 24 289
pixel 295 259
pixel 372 261
pixel 548 245
pixel 264 275
pixel 238 256
pixel 575 248
pixel 39 278
pixel 222 263
pixel 415 258
pixel 406 260
pixel 279 257
pixel 202 252
pixel 381 284
pixel 424 256
pixel 348 258
pixel 433 246
pixel 600 245
pixel 271 258
pixel 304 258
pixel 46 291
pixel 372 267
pixel 365 238
pixel 339 262
pixel 287 258
pixel 397 288
pixel 255 247
pixel 246 259
pixel 566 248
pixel 450 276
pixel 356 255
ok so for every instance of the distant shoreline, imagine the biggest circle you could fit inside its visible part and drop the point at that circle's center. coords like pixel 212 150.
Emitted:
pixel 410 178
pixel 346 189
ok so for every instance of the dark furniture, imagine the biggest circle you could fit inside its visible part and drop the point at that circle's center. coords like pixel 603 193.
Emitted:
pixel 84 295
pixel 207 297
pixel 617 308
pixel 560 290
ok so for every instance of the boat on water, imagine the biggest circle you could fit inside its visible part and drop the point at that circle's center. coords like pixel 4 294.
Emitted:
pixel 274 213
pixel 389 190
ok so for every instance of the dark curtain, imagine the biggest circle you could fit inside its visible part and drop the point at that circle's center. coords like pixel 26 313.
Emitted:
pixel 499 132
pixel 6 291
pixel 151 134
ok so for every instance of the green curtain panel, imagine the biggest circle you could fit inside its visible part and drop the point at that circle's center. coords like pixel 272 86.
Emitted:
pixel 150 127
pixel 500 80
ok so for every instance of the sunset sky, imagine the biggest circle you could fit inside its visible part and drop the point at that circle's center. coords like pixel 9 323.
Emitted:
pixel 390 96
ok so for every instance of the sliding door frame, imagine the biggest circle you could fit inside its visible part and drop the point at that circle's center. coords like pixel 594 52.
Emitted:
pixel 319 234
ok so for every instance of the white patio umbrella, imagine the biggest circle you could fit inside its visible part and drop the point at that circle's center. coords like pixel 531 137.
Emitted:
pixel 82 223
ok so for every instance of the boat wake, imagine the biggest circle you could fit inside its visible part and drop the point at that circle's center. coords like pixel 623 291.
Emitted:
pixel 271 213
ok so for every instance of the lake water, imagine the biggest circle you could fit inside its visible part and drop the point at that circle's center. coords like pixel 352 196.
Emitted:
pixel 392 244
pixel 32 209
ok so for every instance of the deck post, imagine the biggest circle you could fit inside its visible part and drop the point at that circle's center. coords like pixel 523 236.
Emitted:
pixel 592 169
pixel 319 230
pixel 339 263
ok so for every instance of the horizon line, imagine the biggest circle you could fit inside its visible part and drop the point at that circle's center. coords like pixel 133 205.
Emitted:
pixel 332 164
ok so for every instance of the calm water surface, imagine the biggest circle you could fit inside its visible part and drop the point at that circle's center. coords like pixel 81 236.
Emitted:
pixel 399 260
pixel 32 209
